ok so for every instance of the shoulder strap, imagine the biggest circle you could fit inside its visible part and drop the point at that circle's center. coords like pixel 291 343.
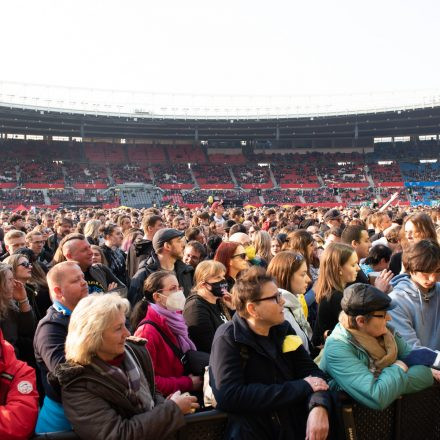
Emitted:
pixel 179 354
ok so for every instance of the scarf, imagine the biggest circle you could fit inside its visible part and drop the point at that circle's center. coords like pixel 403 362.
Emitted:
pixel 177 325
pixel 383 350
pixel 129 376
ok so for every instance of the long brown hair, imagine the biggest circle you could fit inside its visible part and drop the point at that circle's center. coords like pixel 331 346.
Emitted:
pixel 332 259
pixel 283 266
pixel 424 226
pixel 298 241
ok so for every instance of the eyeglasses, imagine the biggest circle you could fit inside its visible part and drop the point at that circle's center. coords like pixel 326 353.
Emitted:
pixel 277 297
pixel 171 290
pixel 242 256
pixel 25 264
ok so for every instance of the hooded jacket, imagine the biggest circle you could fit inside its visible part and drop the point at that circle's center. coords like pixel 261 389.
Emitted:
pixel 18 395
pixel 348 363
pixel 104 276
pixel 184 275
pixel 416 318
pixel 263 392
pixel 139 251
pixel 98 407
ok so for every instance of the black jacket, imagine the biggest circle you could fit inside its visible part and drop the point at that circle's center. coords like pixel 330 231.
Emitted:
pixel 49 341
pixel 328 316
pixel 184 274
pixel 260 387
pixel 203 318
pixel 116 262
pixel 98 278
pixel 139 251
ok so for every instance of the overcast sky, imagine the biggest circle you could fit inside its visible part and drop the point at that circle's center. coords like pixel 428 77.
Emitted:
pixel 223 47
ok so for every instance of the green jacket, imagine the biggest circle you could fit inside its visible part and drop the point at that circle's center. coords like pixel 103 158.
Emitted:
pixel 347 362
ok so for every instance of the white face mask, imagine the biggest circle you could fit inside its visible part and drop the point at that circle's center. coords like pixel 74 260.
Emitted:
pixel 176 301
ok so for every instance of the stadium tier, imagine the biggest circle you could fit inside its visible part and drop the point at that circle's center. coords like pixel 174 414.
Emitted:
pixel 326 161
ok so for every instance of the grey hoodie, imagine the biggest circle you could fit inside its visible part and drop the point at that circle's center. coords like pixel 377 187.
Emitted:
pixel 415 318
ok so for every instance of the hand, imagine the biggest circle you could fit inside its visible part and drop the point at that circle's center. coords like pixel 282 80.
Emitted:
pixel 402 365
pixel 227 299
pixel 19 292
pixel 317 424
pixel 197 382
pixel 316 383
pixel 436 374
pixel 186 403
pixel 382 282
pixel 112 286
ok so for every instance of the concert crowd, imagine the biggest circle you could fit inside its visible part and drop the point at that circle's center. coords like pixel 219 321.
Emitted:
pixel 115 324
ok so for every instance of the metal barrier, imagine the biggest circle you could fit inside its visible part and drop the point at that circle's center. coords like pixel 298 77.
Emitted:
pixel 411 417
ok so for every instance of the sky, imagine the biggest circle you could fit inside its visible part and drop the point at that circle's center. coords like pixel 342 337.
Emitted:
pixel 228 47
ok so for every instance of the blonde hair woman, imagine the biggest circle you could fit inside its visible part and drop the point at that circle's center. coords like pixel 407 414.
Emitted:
pixel 262 243
pixel 209 304
pixel 123 396
pixel 91 231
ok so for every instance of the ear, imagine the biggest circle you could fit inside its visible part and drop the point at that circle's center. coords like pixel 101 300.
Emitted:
pixel 58 293
pixel 7 248
pixel 360 320
pixel 250 308
pixel 156 297
pixel 354 244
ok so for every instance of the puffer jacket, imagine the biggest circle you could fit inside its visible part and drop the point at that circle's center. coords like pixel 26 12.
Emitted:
pixel 98 407
pixel 18 395
pixel 416 316
pixel 348 363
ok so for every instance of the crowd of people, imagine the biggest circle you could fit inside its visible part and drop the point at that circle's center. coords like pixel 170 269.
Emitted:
pixel 117 323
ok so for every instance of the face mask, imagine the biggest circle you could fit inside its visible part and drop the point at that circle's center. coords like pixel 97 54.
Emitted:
pixel 250 252
pixel 219 288
pixel 176 301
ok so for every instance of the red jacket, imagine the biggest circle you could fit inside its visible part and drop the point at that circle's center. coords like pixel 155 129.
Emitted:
pixel 168 369
pixel 18 395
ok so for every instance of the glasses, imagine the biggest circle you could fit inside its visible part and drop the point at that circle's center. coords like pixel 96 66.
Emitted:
pixel 25 264
pixel 379 316
pixel 242 256
pixel 171 290
pixel 277 297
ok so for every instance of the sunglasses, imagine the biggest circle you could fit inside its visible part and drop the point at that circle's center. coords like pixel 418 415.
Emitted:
pixel 277 297
pixel 25 264
pixel 242 256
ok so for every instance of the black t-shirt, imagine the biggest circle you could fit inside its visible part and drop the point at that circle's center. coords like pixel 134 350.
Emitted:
pixel 94 286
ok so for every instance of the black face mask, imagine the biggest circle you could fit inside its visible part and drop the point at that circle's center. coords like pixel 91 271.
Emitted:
pixel 218 289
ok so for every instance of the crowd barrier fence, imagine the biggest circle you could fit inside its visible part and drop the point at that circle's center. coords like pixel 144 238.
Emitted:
pixel 411 417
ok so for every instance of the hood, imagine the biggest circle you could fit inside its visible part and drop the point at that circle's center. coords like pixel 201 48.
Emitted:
pixel 403 283
pixel 64 373
pixel 143 247
pixel 152 263
pixel 290 299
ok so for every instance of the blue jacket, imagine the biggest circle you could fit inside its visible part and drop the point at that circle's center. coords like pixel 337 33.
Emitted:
pixel 347 362
pixel 260 387
pixel 416 319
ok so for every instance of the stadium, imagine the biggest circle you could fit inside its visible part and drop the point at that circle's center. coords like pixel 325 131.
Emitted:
pixel 81 152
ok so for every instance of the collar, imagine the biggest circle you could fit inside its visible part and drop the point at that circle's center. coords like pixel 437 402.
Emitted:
pixel 61 308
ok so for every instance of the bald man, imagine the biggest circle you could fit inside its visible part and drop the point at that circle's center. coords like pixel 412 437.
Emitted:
pixel 99 277
pixel 67 287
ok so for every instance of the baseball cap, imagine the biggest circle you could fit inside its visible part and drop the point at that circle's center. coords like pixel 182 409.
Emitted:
pixel 163 236
pixel 333 214
pixel 362 299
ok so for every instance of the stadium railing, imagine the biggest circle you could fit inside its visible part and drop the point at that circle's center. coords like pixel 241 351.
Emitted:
pixel 413 416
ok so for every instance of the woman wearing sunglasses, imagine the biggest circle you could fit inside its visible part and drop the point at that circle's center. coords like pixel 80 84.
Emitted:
pixel 233 256
pixel 158 319
pixel 17 320
pixel 260 372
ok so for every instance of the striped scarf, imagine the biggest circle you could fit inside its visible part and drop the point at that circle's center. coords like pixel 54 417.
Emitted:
pixel 128 375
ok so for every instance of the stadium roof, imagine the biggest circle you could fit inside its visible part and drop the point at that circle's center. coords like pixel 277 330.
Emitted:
pixel 73 112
